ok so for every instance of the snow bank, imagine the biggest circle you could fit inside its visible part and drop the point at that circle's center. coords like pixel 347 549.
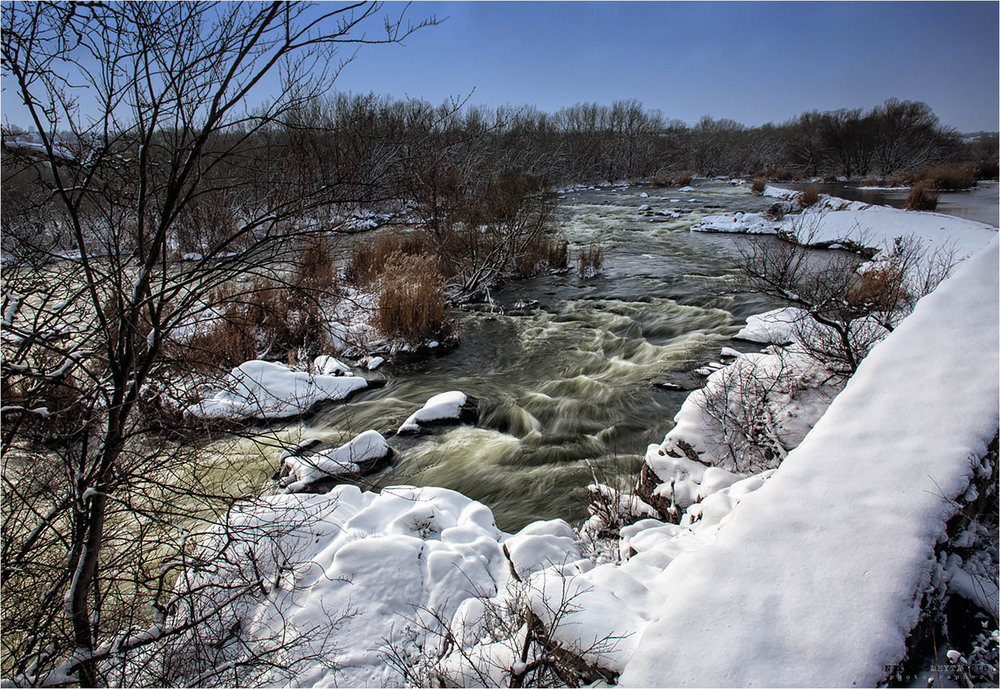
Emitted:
pixel 268 390
pixel 817 577
pixel 344 460
pixel 447 405
pixel 359 571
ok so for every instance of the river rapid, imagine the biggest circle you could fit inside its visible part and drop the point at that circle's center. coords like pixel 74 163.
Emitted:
pixel 565 368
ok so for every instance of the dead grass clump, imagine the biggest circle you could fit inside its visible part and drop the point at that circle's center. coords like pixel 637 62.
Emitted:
pixel 809 196
pixel 901 179
pixel 759 185
pixel 921 198
pixel 314 269
pixel 666 178
pixel 368 258
pixel 948 177
pixel 591 262
pixel 264 320
pixel 411 299
pixel 546 252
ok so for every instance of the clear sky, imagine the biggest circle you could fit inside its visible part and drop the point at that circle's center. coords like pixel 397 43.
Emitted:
pixel 752 62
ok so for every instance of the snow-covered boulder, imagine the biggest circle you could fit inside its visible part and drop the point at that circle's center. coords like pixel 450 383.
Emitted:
pixel 328 366
pixel 778 326
pixel 300 470
pixel 453 406
pixel 540 545
pixel 740 223
pixel 267 390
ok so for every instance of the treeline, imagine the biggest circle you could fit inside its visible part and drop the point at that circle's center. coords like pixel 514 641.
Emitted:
pixel 367 151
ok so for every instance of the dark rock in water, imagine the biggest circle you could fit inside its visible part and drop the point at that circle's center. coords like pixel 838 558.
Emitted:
pixel 678 382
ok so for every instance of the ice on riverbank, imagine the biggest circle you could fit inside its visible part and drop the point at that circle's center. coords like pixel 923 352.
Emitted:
pixel 268 390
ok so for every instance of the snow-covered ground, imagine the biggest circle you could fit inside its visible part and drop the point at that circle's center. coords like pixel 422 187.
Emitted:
pixel 832 221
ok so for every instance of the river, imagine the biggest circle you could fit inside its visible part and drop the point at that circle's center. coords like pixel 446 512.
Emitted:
pixel 564 366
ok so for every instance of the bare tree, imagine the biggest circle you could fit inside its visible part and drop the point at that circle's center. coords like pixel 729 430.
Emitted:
pixel 149 144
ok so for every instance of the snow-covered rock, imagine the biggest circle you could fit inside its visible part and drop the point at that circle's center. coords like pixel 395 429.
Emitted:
pixel 446 406
pixel 328 366
pixel 267 390
pixel 347 460
pixel 778 326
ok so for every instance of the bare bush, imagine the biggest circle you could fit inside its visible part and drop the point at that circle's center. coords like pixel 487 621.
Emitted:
pixel 849 310
pixel 759 185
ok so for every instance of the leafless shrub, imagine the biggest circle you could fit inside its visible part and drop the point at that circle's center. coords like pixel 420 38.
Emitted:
pixel 849 310
pixel 739 402
pixel 504 644
pixel 411 300
pixel 921 198
pixel 759 185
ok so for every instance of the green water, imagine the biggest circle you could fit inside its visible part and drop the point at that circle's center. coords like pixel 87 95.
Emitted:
pixel 565 384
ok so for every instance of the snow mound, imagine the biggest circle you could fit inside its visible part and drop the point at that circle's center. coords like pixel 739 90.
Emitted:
pixel 359 571
pixel 897 446
pixel 267 390
pixel 447 405
pixel 742 223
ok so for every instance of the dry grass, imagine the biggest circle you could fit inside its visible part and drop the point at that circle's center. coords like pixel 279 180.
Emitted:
pixel 368 258
pixel 759 185
pixel 666 178
pixel 546 252
pixel 948 177
pixel 921 198
pixel 411 299
pixel 809 196
pixel 590 263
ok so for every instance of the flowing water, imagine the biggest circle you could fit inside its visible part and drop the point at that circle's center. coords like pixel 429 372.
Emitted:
pixel 564 366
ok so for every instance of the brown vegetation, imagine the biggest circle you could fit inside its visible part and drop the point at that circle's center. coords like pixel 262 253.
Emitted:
pixel 948 177
pixel 666 178
pixel 590 263
pixel 759 185
pixel 809 196
pixel 921 198
pixel 411 300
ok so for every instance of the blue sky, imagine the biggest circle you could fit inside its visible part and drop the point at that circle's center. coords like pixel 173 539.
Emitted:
pixel 751 62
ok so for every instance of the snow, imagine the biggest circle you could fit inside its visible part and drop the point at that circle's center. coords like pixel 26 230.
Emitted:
pixel 772 327
pixel 362 570
pixel 267 390
pixel 446 405
pixel 897 445
pixel 345 459
pixel 329 366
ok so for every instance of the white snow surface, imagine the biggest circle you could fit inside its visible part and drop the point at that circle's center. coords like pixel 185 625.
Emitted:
pixel 267 390
pixel 360 568
pixel 816 578
pixel 446 405
pixel 772 327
